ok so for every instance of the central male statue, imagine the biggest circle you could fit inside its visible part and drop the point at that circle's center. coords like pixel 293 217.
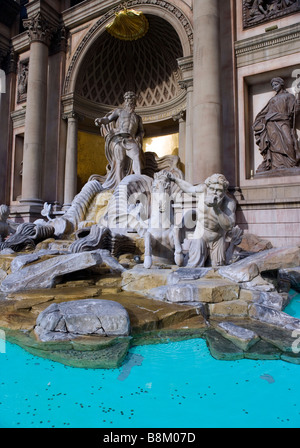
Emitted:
pixel 215 218
pixel 124 142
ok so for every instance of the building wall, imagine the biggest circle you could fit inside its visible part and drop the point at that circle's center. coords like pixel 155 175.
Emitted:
pixel 268 204
pixel 249 57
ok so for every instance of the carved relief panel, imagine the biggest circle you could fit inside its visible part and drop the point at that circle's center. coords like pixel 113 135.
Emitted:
pixel 22 80
pixel 256 12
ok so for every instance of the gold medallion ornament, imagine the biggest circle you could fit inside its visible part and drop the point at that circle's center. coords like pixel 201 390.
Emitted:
pixel 128 24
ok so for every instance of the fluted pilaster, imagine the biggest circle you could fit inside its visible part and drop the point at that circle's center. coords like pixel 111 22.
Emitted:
pixel 39 33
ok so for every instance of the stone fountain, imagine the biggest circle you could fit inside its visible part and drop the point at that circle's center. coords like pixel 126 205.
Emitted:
pixel 126 264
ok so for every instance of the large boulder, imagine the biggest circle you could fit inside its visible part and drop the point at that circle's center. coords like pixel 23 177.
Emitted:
pixel 249 268
pixel 253 243
pixel 291 276
pixel 68 320
pixel 46 274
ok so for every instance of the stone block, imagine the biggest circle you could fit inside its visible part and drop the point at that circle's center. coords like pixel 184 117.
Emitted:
pixel 263 350
pixel 246 272
pixel 259 284
pixel 247 269
pixel 67 320
pixel 241 337
pixel 248 295
pixel 252 243
pixel 203 290
pixel 187 274
pixel 221 348
pixel 274 317
pixel 22 260
pixel 140 279
pixel 271 300
pixel 235 308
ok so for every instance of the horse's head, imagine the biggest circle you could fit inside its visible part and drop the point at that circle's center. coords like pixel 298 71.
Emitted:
pixel 161 190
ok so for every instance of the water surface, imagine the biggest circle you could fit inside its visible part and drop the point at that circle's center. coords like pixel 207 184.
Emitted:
pixel 177 385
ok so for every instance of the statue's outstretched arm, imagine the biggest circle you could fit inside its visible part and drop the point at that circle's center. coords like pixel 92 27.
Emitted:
pixel 107 118
pixel 186 187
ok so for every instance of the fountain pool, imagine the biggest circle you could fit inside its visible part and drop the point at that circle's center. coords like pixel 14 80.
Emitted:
pixel 175 385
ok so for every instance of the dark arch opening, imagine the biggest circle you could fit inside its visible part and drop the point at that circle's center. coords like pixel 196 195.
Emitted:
pixel 147 66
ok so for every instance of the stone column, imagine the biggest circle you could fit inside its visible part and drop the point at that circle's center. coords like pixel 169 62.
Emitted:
pixel 186 66
pixel 8 64
pixel 180 118
pixel 36 107
pixel 189 156
pixel 207 110
pixel 70 189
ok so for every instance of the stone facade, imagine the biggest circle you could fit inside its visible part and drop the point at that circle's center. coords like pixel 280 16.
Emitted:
pixel 214 61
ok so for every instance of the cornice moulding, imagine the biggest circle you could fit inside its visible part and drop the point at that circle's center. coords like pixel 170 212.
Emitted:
pixel 272 44
pixel 42 7
pixel 91 110
pixel 20 42
pixel 79 14
pixel 18 117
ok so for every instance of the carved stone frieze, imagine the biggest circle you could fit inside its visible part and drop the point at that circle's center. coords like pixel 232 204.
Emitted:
pixel 256 12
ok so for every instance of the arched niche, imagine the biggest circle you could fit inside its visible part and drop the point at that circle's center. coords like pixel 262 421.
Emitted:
pixel 103 68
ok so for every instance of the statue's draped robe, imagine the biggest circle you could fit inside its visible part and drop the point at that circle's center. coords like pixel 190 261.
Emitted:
pixel 275 134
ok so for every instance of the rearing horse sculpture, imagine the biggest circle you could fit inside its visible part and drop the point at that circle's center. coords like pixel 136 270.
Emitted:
pixel 161 236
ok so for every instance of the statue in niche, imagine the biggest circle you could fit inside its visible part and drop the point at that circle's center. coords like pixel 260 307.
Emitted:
pixel 215 221
pixel 123 141
pixel 22 81
pixel 275 131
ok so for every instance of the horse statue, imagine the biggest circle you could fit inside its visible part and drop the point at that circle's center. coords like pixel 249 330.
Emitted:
pixel 161 237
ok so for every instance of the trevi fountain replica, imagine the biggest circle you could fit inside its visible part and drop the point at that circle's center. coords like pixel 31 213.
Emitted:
pixel 142 257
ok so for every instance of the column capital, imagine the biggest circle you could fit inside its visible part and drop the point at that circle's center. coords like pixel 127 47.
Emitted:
pixel 59 40
pixel 186 66
pixel 38 29
pixel 71 114
pixel 186 84
pixel 180 116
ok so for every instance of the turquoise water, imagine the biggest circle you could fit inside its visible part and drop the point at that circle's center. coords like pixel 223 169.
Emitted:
pixel 293 308
pixel 178 385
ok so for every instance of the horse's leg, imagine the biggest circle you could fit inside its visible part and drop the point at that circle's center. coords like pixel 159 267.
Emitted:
pixel 148 251
pixel 178 256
